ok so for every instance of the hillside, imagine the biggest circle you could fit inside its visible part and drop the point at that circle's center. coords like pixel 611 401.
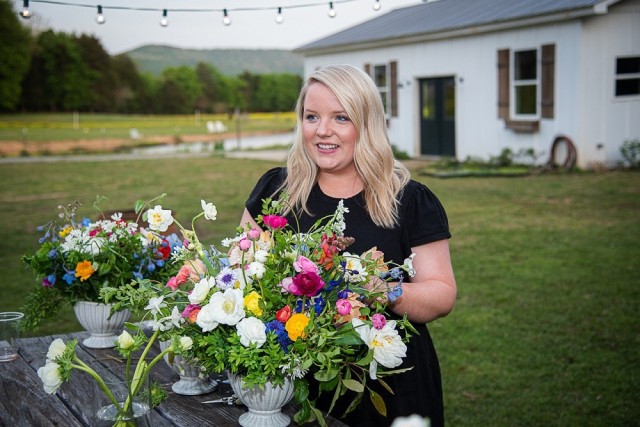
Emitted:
pixel 154 59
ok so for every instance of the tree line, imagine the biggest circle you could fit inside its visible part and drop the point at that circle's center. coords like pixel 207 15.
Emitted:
pixel 57 72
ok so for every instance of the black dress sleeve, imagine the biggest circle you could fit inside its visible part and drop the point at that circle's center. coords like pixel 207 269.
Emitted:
pixel 267 186
pixel 425 217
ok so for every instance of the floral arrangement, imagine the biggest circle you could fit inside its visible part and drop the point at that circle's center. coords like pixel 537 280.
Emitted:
pixel 62 360
pixel 278 303
pixel 78 257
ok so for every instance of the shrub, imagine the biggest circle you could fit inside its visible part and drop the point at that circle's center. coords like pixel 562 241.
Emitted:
pixel 630 150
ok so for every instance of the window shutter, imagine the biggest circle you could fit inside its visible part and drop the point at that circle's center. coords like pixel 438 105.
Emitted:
pixel 393 65
pixel 547 81
pixel 503 84
pixel 367 68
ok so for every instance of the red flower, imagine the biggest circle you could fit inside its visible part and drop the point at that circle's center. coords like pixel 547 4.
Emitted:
pixel 283 314
pixel 165 249
pixel 274 221
pixel 307 284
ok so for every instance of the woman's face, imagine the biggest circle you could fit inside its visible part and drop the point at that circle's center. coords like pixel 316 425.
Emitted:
pixel 329 134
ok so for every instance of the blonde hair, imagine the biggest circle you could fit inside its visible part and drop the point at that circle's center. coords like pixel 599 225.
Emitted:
pixel 383 177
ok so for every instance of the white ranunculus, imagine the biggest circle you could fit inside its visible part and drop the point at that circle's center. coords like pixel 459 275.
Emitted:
pixel 228 306
pixel 251 330
pixel 159 219
pixel 414 420
pixel 387 345
pixel 125 340
pixel 354 271
pixel 210 211
pixel 56 348
pixel 261 256
pixel 201 290
pixel 186 343
pixel 256 270
pixel 50 376
pixel 206 318
pixel 155 304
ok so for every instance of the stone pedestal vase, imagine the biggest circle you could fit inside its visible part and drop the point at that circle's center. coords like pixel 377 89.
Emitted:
pixel 94 318
pixel 192 382
pixel 265 405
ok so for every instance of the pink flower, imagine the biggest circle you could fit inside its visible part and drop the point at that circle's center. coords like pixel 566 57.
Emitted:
pixel 191 270
pixel 173 283
pixel 244 244
pixel 253 234
pixel 286 284
pixel 343 306
pixel 305 265
pixel 307 284
pixel 378 321
pixel 274 221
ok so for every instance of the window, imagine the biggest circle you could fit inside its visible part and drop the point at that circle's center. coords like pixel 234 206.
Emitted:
pixel 628 76
pixel 525 83
pixel 381 80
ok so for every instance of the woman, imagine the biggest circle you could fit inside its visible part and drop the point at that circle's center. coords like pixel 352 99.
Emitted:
pixel 341 151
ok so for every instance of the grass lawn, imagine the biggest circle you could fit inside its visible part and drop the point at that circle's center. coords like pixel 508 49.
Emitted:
pixel 545 331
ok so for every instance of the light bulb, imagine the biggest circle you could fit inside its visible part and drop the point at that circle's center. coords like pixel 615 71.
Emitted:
pixel 100 19
pixel 332 11
pixel 377 5
pixel 25 13
pixel 279 17
pixel 225 19
pixel 164 21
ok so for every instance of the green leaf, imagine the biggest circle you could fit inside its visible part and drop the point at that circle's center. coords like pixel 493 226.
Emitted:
pixel 378 402
pixel 354 385
pixel 326 374
pixel 365 361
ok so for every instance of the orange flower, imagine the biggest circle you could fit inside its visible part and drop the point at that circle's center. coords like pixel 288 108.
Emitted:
pixel 193 315
pixel 295 326
pixel 84 270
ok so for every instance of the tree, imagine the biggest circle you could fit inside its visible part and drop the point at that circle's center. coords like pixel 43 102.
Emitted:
pixel 15 47
pixel 103 80
pixel 129 90
pixel 182 82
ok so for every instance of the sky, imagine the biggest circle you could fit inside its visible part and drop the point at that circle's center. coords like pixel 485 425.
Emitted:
pixel 253 24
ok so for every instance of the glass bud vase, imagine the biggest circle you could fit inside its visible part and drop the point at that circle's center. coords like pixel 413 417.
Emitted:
pixel 118 407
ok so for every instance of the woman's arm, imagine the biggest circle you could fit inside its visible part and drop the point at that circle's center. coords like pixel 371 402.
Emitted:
pixel 431 293
pixel 247 218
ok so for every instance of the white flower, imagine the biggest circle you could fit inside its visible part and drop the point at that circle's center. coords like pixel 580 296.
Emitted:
pixel 354 271
pixel 201 290
pixel 206 318
pixel 414 420
pixel 261 256
pixel 155 304
pixel 174 320
pixel 210 211
pixel 227 306
pixel 125 340
pixel 159 219
pixel 386 343
pixel 251 330
pixel 256 270
pixel 186 343
pixel 243 279
pixel 50 376
pixel 56 348
pixel 408 265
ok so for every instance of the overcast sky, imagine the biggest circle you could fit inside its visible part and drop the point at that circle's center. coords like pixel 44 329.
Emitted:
pixel 126 28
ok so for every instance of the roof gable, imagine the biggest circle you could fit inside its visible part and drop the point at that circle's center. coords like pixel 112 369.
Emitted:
pixel 443 16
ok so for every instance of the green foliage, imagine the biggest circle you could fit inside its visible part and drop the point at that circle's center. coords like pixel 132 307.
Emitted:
pixel 630 150
pixel 14 51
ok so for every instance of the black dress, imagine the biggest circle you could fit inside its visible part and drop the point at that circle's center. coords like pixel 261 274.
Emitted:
pixel 422 220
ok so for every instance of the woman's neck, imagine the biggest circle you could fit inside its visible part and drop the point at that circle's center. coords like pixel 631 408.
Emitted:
pixel 340 186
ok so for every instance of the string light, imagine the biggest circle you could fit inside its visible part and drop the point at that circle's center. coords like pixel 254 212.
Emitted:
pixel 164 21
pixel 100 19
pixel 25 13
pixel 225 19
pixel 279 17
pixel 377 5
pixel 332 11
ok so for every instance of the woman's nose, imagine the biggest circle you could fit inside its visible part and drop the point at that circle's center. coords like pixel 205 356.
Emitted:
pixel 324 128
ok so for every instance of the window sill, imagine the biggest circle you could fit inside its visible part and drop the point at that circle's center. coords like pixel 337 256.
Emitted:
pixel 523 126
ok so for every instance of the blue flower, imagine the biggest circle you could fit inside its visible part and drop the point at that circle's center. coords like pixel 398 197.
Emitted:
pixel 69 277
pixel 278 329
pixel 53 254
pixel 86 222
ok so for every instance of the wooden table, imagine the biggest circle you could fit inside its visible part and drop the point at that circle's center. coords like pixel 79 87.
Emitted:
pixel 23 401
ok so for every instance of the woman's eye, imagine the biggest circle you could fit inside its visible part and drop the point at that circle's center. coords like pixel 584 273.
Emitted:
pixel 310 117
pixel 342 118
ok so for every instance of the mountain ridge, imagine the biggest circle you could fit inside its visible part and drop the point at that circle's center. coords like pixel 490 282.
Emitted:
pixel 154 59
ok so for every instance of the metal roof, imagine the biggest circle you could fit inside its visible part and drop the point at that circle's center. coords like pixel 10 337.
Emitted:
pixel 449 15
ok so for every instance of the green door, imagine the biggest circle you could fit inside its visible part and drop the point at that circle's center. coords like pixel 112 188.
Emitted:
pixel 437 117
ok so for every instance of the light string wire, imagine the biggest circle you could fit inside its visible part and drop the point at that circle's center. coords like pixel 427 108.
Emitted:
pixel 228 9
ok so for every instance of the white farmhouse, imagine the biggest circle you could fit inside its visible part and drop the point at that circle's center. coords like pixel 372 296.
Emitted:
pixel 467 78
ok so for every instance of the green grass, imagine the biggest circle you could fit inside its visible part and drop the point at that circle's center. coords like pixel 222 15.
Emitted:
pixel 545 331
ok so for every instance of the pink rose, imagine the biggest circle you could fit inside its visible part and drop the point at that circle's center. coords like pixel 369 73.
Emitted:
pixel 244 244
pixel 253 234
pixel 343 306
pixel 305 265
pixel 378 321
pixel 274 221
pixel 307 284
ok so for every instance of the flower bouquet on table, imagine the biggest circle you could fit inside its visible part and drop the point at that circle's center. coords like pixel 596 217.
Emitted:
pixel 279 305
pixel 77 257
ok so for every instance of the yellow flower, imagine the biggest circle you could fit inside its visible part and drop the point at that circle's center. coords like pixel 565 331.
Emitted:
pixel 252 303
pixel 65 231
pixel 295 326
pixel 84 270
